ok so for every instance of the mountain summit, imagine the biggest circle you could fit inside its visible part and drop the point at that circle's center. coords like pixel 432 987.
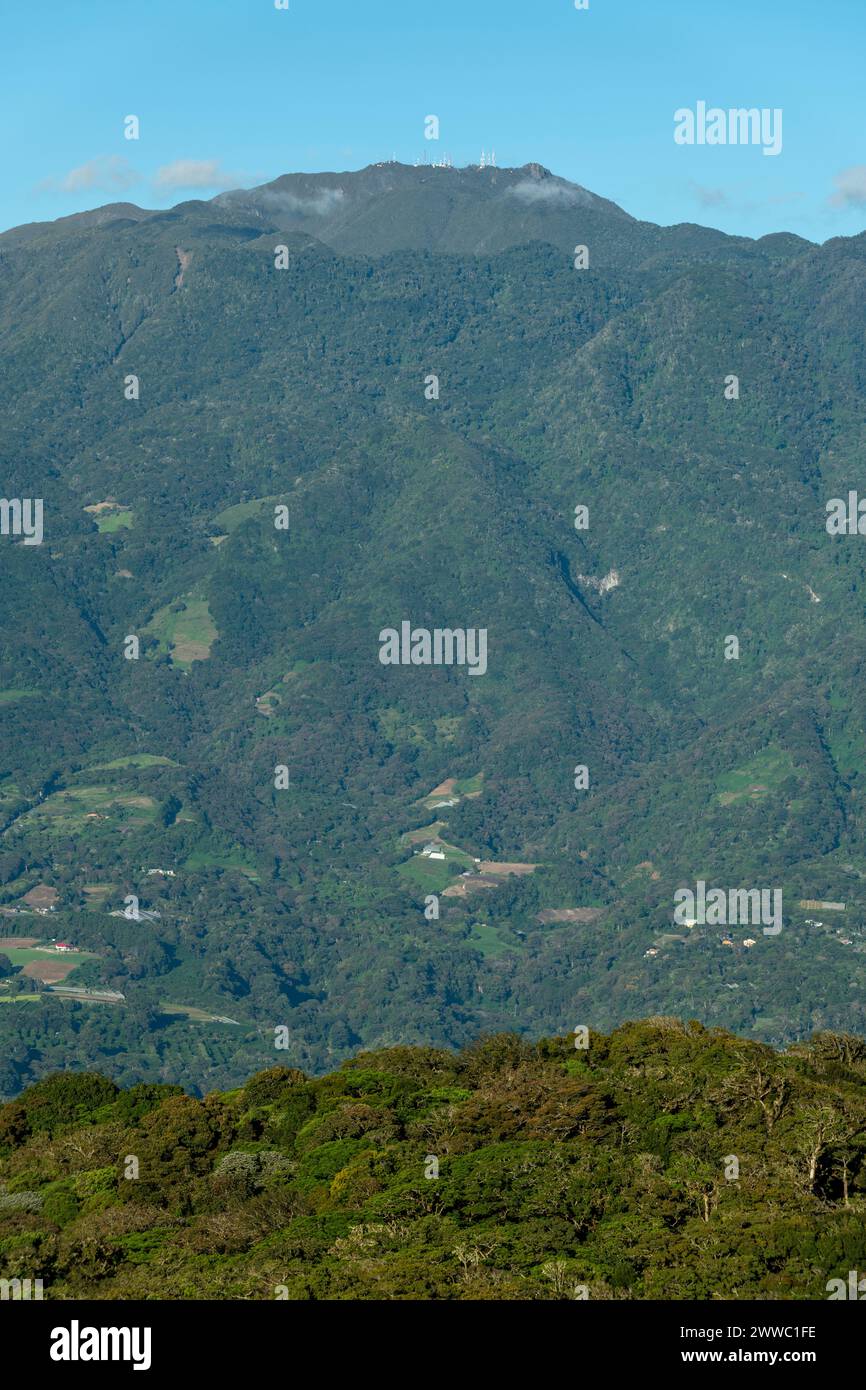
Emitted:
pixel 388 207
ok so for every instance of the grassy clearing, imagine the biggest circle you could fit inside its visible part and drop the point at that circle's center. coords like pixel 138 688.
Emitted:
pixel 190 1012
pixel 115 521
pixel 135 760
pixel 487 940
pixel 184 629
pixel 23 955
pixel 9 697
pixel 235 516
pixel 110 516
pixel 184 1011
pixel 757 778
pixel 98 893
pixel 425 875
pixel 213 859
pixel 79 808
pixel 424 835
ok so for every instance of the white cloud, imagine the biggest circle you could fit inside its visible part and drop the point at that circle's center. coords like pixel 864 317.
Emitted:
pixel 551 191
pixel 107 173
pixel 195 173
pixel 316 205
pixel 850 188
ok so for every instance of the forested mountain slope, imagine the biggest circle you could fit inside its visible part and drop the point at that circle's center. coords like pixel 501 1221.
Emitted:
pixel 168 389
pixel 666 1161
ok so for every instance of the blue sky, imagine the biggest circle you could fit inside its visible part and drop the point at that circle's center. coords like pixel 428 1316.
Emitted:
pixel 235 92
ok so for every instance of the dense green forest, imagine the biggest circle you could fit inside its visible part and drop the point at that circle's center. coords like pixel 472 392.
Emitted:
pixel 665 1161
pixel 168 390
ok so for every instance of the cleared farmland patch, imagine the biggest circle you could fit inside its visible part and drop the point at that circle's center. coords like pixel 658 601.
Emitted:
pixel 214 859
pixel 135 760
pixel 50 971
pixel 78 809
pixel 41 895
pixel 233 517
pixel 452 790
pixel 98 893
pixel 472 883
pixel 489 866
pixel 184 629
pixel 755 779
pixel 426 832
pixel 45 963
pixel 111 516
pixel 570 914
pixel 11 697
